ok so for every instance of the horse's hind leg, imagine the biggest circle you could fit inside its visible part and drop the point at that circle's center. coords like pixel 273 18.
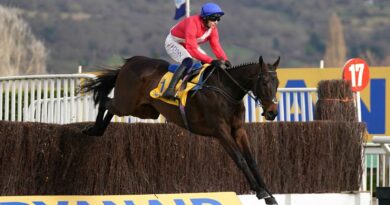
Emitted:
pixel 101 121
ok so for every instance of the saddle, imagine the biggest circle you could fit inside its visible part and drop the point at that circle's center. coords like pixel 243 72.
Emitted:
pixel 191 81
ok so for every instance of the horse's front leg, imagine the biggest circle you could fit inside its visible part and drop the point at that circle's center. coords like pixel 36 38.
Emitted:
pixel 227 141
pixel 242 141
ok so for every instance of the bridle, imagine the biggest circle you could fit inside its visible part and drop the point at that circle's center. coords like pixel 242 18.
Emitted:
pixel 274 99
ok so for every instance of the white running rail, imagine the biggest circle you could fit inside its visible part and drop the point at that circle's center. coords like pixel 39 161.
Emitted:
pixel 19 95
pixel 376 172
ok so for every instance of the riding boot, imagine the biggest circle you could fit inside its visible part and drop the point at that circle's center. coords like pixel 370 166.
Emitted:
pixel 170 91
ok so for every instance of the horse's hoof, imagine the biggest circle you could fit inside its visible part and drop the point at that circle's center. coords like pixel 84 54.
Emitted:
pixel 270 201
pixel 262 195
pixel 91 131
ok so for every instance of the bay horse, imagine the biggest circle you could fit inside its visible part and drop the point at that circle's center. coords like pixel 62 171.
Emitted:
pixel 216 110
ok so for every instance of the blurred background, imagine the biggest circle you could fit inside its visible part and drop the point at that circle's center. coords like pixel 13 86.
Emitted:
pixel 52 36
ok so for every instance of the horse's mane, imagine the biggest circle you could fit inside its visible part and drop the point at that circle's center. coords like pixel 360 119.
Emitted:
pixel 242 65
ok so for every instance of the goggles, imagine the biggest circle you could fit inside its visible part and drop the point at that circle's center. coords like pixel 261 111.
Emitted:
pixel 214 18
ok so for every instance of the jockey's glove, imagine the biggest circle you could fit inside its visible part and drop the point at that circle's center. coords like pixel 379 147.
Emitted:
pixel 228 64
pixel 218 63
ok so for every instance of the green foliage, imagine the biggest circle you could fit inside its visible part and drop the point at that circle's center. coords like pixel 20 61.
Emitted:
pixel 315 44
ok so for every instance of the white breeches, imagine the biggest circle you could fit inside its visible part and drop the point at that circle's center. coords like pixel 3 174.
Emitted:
pixel 176 51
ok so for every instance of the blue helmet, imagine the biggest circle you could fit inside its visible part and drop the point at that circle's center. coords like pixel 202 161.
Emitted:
pixel 209 9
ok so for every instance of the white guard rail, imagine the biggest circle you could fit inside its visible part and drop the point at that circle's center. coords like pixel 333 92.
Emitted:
pixel 377 164
pixel 39 98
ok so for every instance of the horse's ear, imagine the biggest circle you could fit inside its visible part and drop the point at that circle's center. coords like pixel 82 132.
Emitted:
pixel 261 60
pixel 276 64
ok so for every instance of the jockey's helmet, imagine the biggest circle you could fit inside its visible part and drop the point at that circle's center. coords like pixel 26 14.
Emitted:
pixel 211 9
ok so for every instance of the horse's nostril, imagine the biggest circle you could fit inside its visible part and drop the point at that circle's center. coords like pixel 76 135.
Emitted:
pixel 271 115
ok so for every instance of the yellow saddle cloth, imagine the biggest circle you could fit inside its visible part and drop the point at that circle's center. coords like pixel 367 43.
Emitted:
pixel 181 94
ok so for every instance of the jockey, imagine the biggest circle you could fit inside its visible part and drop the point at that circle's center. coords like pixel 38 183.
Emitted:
pixel 184 38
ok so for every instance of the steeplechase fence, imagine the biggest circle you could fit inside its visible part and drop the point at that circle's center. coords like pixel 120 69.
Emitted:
pixel 147 158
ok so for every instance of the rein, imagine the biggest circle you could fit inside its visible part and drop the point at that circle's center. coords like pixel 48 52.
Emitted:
pixel 227 95
pixel 223 93
pixel 219 90
pixel 242 88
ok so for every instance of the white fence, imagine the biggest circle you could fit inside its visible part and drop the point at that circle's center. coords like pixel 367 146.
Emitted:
pixel 41 98
pixel 377 166
pixel 53 99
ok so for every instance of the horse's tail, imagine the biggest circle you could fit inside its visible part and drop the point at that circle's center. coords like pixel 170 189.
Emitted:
pixel 101 85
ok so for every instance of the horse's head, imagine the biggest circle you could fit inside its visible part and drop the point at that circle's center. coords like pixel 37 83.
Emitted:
pixel 266 87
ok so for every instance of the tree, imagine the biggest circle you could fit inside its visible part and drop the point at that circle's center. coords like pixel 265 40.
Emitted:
pixel 336 51
pixel 20 52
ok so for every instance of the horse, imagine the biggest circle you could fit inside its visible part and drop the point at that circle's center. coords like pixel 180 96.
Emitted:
pixel 217 110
